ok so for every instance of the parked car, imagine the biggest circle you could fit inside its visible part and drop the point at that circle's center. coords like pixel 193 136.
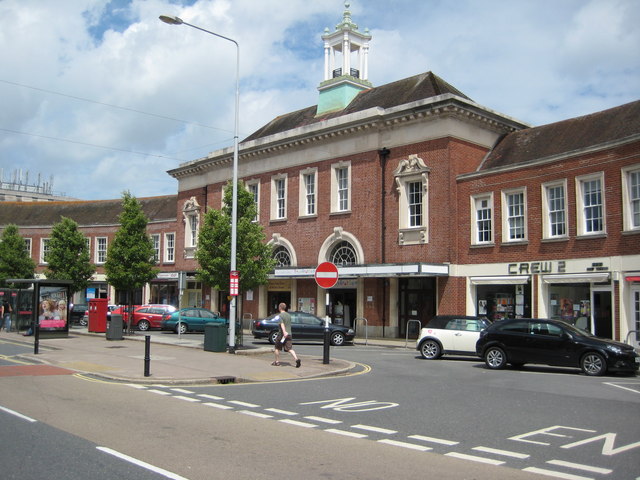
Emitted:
pixel 78 311
pixel 553 342
pixel 304 326
pixel 189 320
pixel 144 316
pixel 450 334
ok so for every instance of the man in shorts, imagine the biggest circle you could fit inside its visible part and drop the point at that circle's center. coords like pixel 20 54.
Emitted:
pixel 284 339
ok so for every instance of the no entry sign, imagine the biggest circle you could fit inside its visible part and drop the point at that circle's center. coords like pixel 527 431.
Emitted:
pixel 326 275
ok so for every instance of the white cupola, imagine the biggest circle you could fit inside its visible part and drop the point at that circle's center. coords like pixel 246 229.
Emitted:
pixel 344 78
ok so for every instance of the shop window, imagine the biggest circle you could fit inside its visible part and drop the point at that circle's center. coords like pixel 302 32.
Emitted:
pixel 308 196
pixel 412 182
pixel 482 222
pixel 635 295
pixel 253 187
pixel 631 197
pixel 279 197
pixel 554 208
pixel 514 206
pixel 101 249
pixel 341 187
pixel 571 303
pixel 590 204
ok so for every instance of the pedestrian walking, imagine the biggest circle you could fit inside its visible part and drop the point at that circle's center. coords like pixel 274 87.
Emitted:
pixel 6 315
pixel 284 340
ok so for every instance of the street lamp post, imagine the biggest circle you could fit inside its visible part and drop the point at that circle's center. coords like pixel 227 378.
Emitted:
pixel 172 20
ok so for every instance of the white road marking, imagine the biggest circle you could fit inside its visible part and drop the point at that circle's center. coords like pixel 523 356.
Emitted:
pixel 139 387
pixel 411 446
pixel 433 440
pixel 324 420
pixel 217 405
pixel 159 392
pixel 210 397
pixel 374 429
pixel 552 473
pixel 281 412
pixel 244 404
pixel 255 414
pixel 473 458
pixel 186 399
pixel 181 390
pixel 19 415
pixel 297 423
pixel 634 390
pixel 140 463
pixel 345 433
pixel 506 453
pixel 580 466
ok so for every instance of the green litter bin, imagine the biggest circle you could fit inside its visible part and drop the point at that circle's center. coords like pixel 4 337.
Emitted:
pixel 215 337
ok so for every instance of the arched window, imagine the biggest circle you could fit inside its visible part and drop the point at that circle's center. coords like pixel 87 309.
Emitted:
pixel 282 256
pixel 343 253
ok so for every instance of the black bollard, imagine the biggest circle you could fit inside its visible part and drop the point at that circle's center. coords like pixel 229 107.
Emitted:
pixel 147 354
pixel 325 355
pixel 36 337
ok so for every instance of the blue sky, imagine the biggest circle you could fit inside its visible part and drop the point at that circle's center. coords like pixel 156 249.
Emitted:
pixel 104 97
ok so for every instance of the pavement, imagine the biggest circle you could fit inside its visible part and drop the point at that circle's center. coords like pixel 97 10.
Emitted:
pixel 175 359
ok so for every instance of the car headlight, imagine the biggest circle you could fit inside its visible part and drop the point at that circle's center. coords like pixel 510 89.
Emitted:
pixel 351 332
pixel 614 349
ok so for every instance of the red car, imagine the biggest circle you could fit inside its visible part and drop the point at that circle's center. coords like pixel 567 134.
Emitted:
pixel 145 316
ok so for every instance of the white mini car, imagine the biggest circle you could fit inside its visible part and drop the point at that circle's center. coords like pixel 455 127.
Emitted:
pixel 450 334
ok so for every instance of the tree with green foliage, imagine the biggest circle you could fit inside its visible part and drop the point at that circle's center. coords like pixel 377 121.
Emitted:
pixel 213 253
pixel 131 256
pixel 68 256
pixel 15 261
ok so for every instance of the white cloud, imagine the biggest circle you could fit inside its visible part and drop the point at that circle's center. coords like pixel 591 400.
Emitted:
pixel 536 60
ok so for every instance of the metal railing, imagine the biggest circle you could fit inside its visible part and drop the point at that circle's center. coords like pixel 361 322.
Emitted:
pixel 366 327
pixel 406 342
pixel 635 332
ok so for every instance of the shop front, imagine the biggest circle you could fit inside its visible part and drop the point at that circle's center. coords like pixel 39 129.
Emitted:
pixel 581 299
pixel 164 289
pixel 501 297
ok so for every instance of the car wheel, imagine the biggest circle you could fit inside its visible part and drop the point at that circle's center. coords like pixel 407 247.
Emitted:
pixel 495 358
pixel 430 349
pixel 143 325
pixel 181 328
pixel 272 337
pixel 337 339
pixel 83 322
pixel 593 364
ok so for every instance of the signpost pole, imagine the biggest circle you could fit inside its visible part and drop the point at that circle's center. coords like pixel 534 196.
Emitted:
pixel 326 277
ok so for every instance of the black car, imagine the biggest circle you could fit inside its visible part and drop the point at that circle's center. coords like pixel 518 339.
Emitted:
pixel 553 342
pixel 304 326
pixel 77 313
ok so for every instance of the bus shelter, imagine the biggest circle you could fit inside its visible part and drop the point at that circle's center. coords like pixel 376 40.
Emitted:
pixel 43 306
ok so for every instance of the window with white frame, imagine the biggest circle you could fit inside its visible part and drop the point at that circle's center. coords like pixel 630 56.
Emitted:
pixel 514 206
pixel 341 187
pixel 101 249
pixel 169 247
pixel 191 217
pixel 27 246
pixel 308 196
pixel 590 204
pixel 554 209
pixel 631 197
pixel 44 249
pixel 279 197
pixel 253 187
pixel 343 253
pixel 155 240
pixel 482 221
pixel 282 256
pixel 412 181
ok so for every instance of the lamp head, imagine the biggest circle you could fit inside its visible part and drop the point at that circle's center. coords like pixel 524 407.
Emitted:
pixel 171 20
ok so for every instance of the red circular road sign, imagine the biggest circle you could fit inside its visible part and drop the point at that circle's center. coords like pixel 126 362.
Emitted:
pixel 326 275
